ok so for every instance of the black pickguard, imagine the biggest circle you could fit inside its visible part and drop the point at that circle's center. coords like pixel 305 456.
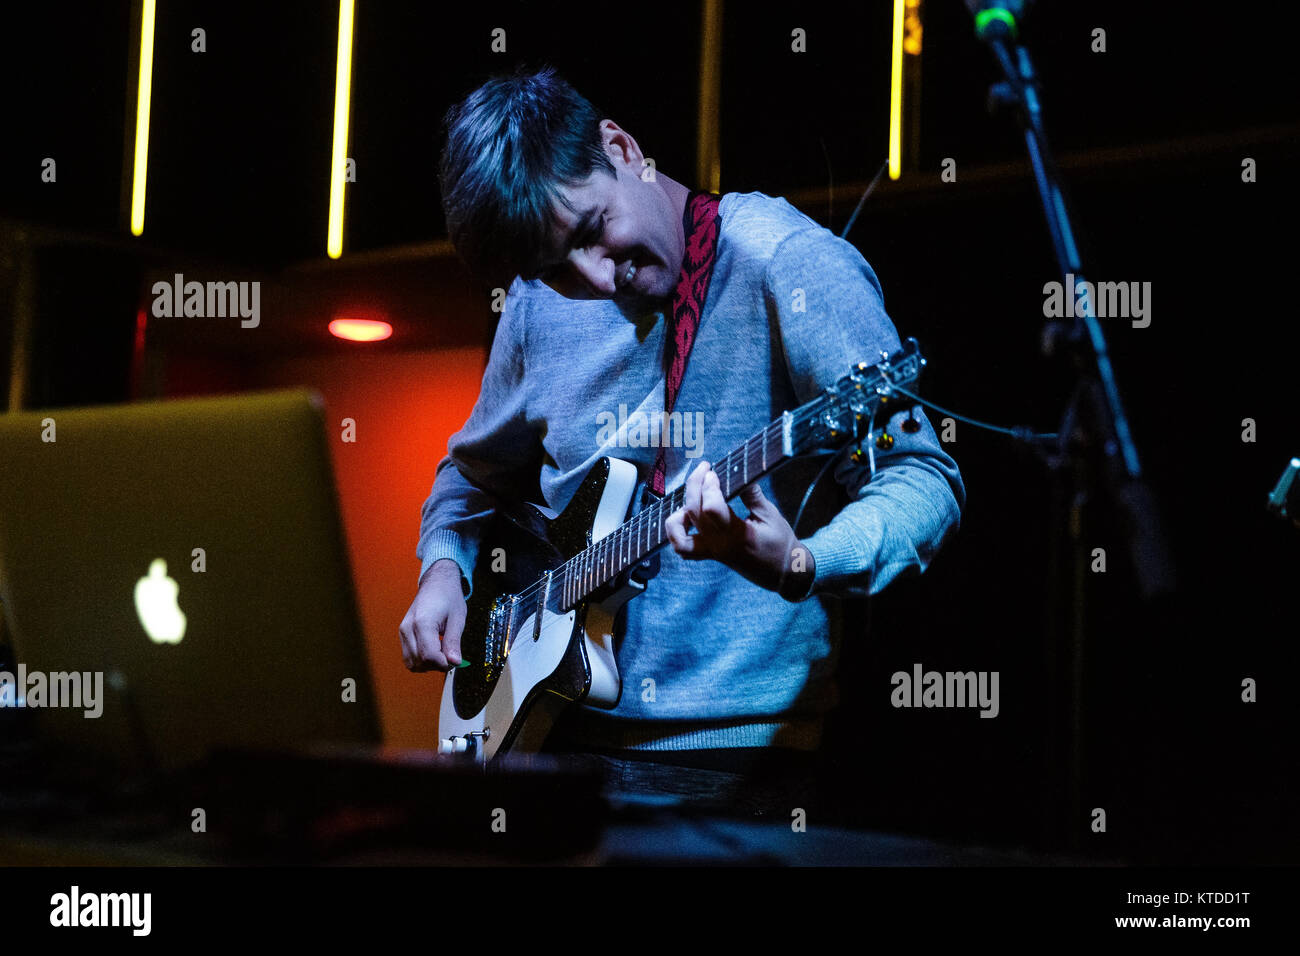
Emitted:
pixel 531 544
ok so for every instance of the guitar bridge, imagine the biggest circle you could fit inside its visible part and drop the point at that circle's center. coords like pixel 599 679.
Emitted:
pixel 497 645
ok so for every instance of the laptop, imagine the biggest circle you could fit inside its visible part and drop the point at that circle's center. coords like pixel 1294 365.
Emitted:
pixel 188 558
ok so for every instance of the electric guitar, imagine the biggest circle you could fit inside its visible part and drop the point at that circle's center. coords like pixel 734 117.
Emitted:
pixel 539 636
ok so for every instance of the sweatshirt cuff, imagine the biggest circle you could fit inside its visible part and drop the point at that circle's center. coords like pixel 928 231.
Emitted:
pixel 448 544
pixel 838 561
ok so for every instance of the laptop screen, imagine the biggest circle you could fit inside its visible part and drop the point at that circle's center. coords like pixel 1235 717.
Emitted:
pixel 174 577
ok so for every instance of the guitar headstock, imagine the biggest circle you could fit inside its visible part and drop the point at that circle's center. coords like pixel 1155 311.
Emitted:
pixel 844 410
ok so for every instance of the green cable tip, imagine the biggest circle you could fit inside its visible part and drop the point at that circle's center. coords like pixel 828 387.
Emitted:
pixel 463 664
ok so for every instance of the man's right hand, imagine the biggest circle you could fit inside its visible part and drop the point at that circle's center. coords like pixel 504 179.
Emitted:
pixel 432 627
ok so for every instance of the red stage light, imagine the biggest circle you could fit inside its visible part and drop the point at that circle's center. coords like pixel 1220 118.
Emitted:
pixel 361 330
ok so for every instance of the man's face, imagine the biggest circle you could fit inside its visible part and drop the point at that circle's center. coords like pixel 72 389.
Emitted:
pixel 622 239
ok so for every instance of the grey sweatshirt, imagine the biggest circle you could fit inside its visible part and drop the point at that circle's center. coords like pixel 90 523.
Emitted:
pixel 707 658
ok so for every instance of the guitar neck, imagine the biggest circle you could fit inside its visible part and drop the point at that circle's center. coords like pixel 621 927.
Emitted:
pixel 828 421
pixel 641 535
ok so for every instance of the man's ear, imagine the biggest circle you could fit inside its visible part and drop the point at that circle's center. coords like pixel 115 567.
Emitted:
pixel 621 148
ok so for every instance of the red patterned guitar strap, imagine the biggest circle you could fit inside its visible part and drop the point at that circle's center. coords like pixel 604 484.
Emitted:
pixel 702 224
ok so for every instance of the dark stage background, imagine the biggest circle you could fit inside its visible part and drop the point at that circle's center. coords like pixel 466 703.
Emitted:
pixel 1151 136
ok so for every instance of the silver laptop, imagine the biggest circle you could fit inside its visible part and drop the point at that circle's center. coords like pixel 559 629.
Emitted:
pixel 188 557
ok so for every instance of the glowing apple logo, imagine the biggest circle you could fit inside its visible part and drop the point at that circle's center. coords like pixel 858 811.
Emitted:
pixel 155 602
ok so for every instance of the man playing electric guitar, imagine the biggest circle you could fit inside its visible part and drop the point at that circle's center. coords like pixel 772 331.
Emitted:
pixel 633 300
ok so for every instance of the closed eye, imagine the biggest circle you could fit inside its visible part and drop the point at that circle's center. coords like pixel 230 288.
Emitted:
pixel 595 235
pixel 586 240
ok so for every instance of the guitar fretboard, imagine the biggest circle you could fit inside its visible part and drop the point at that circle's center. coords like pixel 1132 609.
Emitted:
pixel 634 540
pixel 827 421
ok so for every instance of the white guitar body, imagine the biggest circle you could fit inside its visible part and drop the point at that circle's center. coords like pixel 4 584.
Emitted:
pixel 530 663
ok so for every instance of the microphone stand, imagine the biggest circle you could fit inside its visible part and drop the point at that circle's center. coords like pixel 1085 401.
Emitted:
pixel 1094 437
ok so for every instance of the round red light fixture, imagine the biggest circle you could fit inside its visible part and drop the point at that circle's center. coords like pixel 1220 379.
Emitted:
pixel 361 330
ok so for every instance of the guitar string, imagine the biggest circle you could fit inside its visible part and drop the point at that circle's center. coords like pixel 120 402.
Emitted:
pixel 673 500
pixel 590 558
pixel 591 554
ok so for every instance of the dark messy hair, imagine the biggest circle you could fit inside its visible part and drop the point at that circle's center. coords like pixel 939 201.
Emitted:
pixel 511 145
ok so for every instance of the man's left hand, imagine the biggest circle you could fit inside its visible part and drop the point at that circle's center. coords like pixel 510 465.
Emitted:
pixel 762 547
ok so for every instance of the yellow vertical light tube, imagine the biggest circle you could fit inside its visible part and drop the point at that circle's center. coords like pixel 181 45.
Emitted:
pixel 896 95
pixel 708 151
pixel 140 176
pixel 338 153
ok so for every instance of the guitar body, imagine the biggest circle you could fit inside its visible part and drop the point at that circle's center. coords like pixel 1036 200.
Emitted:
pixel 523 672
